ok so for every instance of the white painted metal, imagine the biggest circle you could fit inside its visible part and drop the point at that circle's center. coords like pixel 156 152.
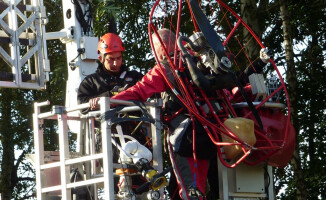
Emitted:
pixel 32 29
pixel 64 155
pixel 245 182
pixel 157 140
pixel 270 178
pixel 250 179
pixel 39 147
pixel 90 46
pixel 107 151
pixel 82 67
pixel 258 86
pixel 67 159
pixel 156 136
pixel 14 49
pixel 223 181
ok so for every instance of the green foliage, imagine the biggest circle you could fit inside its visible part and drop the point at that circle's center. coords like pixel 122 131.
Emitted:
pixel 308 33
pixel 131 18
pixel 103 12
pixel 132 25
pixel 312 104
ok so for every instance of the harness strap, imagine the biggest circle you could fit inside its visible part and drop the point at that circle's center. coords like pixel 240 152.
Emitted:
pixel 116 119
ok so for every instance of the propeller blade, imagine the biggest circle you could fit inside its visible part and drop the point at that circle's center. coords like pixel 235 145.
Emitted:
pixel 248 100
pixel 216 44
pixel 211 36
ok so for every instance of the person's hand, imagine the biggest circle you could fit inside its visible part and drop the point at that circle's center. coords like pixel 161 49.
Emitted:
pixel 93 103
pixel 266 54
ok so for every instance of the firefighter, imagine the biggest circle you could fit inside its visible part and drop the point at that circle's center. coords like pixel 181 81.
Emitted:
pixel 112 75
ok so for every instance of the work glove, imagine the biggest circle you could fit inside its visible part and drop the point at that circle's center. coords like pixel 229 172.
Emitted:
pixel 266 54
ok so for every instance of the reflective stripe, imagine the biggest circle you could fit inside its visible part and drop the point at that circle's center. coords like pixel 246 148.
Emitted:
pixel 123 74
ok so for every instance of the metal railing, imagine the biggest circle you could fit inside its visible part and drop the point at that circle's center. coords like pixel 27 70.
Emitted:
pixel 86 155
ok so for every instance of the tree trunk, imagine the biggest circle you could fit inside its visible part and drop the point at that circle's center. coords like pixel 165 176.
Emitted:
pixel 313 105
pixel 301 192
pixel 6 137
pixel 315 110
pixel 249 14
pixel 8 156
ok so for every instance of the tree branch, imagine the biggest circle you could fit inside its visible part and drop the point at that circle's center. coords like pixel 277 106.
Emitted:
pixel 26 179
pixel 20 159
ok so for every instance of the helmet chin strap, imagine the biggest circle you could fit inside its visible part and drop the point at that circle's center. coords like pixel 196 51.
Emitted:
pixel 103 58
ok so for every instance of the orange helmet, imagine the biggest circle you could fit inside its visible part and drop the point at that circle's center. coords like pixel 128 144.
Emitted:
pixel 108 43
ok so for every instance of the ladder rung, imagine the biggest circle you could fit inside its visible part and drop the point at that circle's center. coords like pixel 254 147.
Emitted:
pixel 84 158
pixel 86 182
pixel 73 185
pixel 50 165
pixel 73 161
pixel 6 40
pixel 7 76
pixel 245 194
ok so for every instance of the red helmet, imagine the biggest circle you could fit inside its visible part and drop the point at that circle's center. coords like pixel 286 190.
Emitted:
pixel 108 43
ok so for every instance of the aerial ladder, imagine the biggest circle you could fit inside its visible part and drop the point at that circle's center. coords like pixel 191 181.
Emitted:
pixel 23 27
pixel 23 45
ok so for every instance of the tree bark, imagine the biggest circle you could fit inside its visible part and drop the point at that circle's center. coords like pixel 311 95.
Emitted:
pixel 8 156
pixel 249 15
pixel 6 137
pixel 301 192
pixel 252 14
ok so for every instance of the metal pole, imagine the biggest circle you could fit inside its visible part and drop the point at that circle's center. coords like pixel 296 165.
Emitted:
pixel 107 151
pixel 64 155
pixel 39 150
pixel 15 52
pixel 156 137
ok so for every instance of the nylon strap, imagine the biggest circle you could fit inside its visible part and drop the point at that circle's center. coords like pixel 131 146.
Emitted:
pixel 114 119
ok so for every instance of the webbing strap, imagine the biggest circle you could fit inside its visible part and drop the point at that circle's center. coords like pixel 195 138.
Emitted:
pixel 116 119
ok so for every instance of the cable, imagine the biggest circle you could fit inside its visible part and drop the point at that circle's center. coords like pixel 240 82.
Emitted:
pixel 80 15
pixel 72 63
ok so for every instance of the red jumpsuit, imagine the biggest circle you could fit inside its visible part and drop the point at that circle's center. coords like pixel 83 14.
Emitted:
pixel 154 82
